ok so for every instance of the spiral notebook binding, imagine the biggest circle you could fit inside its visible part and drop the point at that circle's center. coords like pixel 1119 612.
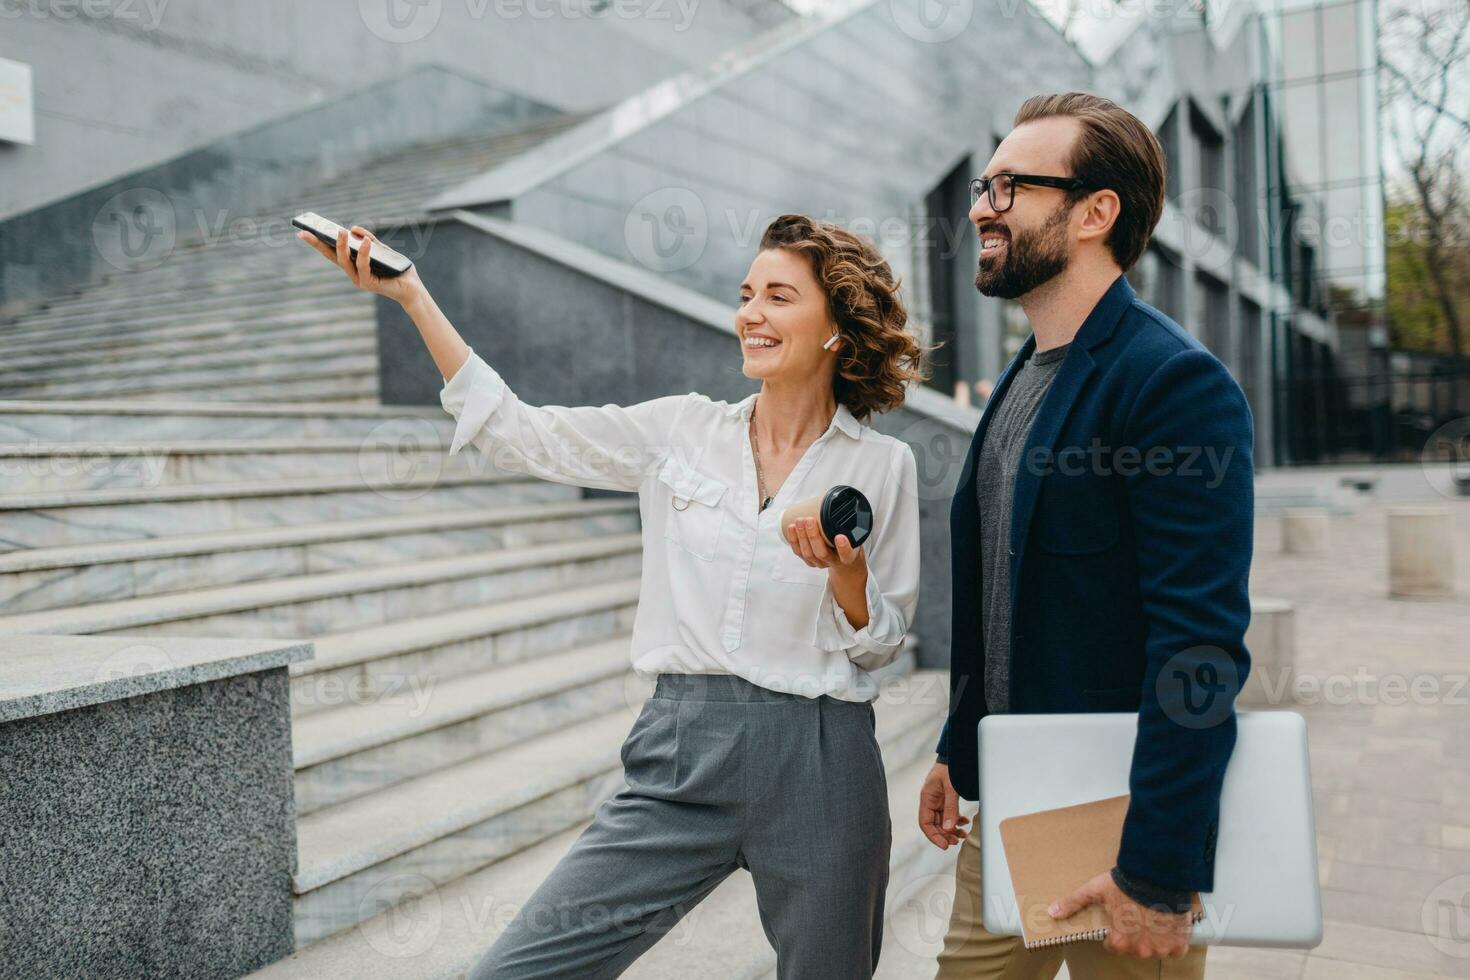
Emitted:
pixel 1099 933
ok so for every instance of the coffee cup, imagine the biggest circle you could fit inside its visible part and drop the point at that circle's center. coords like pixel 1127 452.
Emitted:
pixel 841 510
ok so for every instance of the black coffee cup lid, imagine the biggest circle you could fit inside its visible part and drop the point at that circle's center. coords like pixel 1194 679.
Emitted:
pixel 846 511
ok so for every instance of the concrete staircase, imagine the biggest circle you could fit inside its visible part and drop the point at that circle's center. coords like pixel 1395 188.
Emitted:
pixel 197 450
pixel 247 314
pixel 462 718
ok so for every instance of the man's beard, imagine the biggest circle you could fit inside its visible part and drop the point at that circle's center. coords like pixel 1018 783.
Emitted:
pixel 1031 259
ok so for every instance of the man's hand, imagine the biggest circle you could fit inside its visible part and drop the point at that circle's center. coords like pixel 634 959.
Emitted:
pixel 939 809
pixel 1132 928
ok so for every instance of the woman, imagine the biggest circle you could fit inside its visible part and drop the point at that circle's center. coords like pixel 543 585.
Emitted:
pixel 757 749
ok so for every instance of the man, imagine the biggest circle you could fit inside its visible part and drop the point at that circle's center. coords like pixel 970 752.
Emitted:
pixel 1101 538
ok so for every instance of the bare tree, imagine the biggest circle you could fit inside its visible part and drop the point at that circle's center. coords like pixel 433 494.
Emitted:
pixel 1424 55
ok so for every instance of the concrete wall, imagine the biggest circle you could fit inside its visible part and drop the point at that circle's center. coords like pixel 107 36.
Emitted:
pixel 565 326
pixel 124 84
pixel 854 120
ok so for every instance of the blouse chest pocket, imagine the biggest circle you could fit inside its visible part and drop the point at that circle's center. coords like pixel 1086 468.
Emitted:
pixel 695 517
pixel 788 567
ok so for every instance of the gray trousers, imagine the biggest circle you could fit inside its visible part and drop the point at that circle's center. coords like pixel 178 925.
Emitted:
pixel 722 774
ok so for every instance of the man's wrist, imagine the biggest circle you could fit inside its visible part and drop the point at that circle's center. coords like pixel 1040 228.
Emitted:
pixel 1150 895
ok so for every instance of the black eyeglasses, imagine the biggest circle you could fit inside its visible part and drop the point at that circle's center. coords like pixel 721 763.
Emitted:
pixel 1002 187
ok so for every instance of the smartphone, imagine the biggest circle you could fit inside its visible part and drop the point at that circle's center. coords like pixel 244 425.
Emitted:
pixel 384 261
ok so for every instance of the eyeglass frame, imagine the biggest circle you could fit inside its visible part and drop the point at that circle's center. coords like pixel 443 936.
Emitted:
pixel 986 185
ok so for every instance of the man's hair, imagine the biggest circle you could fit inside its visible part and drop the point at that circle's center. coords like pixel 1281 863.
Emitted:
pixel 1115 151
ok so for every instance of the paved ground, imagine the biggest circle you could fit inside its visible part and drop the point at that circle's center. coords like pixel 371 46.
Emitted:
pixel 1390 767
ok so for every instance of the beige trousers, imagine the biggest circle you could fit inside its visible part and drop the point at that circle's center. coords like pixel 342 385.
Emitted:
pixel 972 953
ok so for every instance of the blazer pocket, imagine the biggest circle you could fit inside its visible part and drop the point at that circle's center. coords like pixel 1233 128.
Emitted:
pixel 694 516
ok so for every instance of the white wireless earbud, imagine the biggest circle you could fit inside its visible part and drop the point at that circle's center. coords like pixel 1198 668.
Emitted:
pixel 830 341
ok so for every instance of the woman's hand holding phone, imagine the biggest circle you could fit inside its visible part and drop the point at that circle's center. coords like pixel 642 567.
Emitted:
pixel 403 288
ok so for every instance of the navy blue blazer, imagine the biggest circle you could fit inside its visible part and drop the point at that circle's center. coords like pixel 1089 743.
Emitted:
pixel 1131 536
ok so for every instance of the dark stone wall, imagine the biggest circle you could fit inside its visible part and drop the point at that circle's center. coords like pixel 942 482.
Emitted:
pixel 150 837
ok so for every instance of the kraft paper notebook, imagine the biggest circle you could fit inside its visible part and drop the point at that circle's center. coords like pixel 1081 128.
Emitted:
pixel 1051 854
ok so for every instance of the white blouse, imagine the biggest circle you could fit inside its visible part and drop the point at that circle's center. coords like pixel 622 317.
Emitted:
pixel 721 591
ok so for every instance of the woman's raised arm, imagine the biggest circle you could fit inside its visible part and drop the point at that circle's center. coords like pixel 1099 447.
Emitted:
pixel 610 447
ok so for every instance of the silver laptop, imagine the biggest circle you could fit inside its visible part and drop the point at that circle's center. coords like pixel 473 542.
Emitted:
pixel 1266 891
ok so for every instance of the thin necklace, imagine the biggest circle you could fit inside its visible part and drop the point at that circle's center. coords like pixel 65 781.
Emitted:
pixel 755 445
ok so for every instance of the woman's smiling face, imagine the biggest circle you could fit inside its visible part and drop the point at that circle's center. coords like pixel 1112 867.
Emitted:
pixel 783 319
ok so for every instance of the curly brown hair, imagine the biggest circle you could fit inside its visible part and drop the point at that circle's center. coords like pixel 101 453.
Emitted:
pixel 880 356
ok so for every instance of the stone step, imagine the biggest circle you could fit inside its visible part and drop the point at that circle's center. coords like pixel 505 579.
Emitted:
pixel 92 421
pixel 210 380
pixel 86 516
pixel 434 829
pixel 58 467
pixel 213 335
pixel 360 388
pixel 424 722
pixel 376 659
pixel 305 323
pixel 431 930
pixel 160 304
pixel 116 370
pixel 250 269
pixel 68 575
pixel 310 605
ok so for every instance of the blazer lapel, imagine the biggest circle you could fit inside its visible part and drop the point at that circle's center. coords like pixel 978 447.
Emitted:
pixel 1076 368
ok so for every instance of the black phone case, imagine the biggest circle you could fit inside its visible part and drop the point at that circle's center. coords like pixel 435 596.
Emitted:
pixel 379 268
